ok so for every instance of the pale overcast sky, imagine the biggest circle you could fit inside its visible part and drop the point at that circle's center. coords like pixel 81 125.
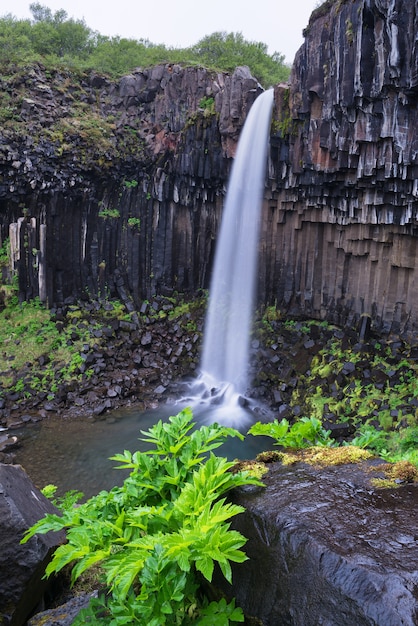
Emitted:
pixel 180 23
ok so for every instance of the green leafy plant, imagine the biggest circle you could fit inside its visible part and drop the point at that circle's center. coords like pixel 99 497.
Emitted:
pixel 306 432
pixel 5 253
pixel 208 106
pixel 207 102
pixel 134 222
pixel 66 502
pixel 130 184
pixel 368 437
pixel 154 536
pixel 392 446
pixel 303 327
pixel 109 213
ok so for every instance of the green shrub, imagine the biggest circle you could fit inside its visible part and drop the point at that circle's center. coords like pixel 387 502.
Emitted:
pixel 157 533
pixel 394 446
pixel 306 432
pixel 109 213
pixel 134 222
pixel 57 40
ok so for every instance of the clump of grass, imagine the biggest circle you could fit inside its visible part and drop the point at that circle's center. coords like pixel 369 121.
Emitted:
pixel 335 456
pixel 396 474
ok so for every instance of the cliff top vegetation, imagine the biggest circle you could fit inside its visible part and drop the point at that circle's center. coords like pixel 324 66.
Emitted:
pixel 54 39
pixel 322 8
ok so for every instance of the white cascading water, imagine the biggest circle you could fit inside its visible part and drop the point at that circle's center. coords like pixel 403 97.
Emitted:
pixel 226 339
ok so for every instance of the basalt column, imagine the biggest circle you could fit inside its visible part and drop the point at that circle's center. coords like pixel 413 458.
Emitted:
pixel 123 181
pixel 340 222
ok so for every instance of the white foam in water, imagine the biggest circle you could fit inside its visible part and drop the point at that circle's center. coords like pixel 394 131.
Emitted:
pixel 213 401
pixel 223 381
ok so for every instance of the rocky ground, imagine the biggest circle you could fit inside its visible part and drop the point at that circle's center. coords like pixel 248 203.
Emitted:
pixel 142 361
pixel 124 363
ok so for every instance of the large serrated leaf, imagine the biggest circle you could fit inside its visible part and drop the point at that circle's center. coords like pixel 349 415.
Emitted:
pixel 205 565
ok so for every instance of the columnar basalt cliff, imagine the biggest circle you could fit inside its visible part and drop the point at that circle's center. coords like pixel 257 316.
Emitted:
pixel 120 186
pixel 340 231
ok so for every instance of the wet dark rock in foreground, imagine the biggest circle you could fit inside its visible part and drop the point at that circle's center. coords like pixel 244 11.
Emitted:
pixel 22 567
pixel 325 547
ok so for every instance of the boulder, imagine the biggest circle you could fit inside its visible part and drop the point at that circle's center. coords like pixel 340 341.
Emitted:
pixel 22 566
pixel 63 615
pixel 326 547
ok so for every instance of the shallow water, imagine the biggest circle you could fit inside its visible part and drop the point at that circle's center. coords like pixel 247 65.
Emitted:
pixel 74 453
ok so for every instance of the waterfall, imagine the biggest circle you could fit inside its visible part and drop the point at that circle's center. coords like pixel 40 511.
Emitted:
pixel 227 329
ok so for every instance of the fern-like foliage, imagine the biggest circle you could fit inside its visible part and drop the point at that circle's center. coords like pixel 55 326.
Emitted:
pixel 153 536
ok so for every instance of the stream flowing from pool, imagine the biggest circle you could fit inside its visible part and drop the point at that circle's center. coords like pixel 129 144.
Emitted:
pixel 74 454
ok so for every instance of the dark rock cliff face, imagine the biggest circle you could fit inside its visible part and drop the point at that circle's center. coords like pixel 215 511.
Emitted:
pixel 118 186
pixel 340 231
pixel 128 196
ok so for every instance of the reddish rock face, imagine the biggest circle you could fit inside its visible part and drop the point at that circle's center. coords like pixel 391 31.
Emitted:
pixel 341 224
